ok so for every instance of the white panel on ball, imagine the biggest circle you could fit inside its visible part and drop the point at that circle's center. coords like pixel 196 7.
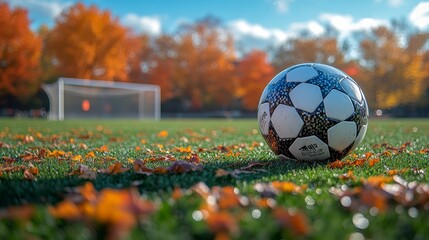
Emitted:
pixel 360 135
pixel 338 105
pixel 351 89
pixel 342 135
pixel 306 97
pixel 286 121
pixel 264 117
pixel 301 74
pixel 329 69
pixel 309 148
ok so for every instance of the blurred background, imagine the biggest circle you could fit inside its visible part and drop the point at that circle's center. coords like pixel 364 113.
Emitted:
pixel 210 58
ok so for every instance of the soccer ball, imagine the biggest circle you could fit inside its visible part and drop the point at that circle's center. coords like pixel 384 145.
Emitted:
pixel 312 112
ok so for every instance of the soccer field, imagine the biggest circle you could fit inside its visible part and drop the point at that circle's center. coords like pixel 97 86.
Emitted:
pixel 206 179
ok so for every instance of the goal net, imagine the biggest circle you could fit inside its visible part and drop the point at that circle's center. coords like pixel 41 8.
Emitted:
pixel 82 98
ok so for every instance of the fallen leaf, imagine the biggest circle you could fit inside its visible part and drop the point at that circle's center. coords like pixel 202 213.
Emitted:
pixel 347 176
pixel 28 175
pixel 84 172
pixel 288 187
pixel 222 223
pixel 23 213
pixel 66 210
pixel 378 180
pixel 163 134
pixel 103 148
pixel 227 197
pixel 292 220
pixel 336 164
pixel 140 167
pixel 77 158
pixel 373 161
pixel 56 153
pixel 113 169
pixel 193 158
pixel 183 166
pixel 90 155
pixel 250 168
pixel 187 149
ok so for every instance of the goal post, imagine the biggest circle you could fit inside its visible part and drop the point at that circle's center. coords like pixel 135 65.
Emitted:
pixel 84 98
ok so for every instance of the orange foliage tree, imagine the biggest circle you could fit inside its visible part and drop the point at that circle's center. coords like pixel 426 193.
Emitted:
pixel 204 65
pixel 253 72
pixel 89 43
pixel 324 49
pixel 20 51
pixel 393 73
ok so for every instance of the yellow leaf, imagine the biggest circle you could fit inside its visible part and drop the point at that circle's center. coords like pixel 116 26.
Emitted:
pixel 77 158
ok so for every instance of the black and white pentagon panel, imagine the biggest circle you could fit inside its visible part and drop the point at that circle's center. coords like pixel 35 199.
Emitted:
pixel 312 112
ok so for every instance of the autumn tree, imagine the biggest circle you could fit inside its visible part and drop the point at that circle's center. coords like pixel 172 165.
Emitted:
pixel 20 51
pixel 253 73
pixel 393 71
pixel 323 49
pixel 89 43
pixel 160 65
pixel 204 68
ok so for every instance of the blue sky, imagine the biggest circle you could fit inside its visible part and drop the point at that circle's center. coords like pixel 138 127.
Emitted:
pixel 255 23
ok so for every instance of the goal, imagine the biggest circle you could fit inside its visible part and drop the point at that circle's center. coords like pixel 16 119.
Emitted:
pixel 83 98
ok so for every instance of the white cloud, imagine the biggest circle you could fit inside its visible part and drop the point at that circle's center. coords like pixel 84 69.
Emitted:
pixel 345 24
pixel 395 3
pixel 312 27
pixel 392 3
pixel 44 10
pixel 282 6
pixel 142 24
pixel 254 36
pixel 419 16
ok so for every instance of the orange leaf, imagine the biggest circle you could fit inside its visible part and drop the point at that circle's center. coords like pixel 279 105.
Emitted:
pixel 193 158
pixel 163 133
pixel 103 148
pixel 56 153
pixel 12 168
pixel 292 220
pixel 336 164
pixel 288 187
pixel 222 222
pixel 24 212
pixel 90 155
pixel 374 198
pixel 187 149
pixel 28 175
pixel 77 158
pixel 358 162
pixel 66 210
pixel 228 198
pixel 114 169
pixel 177 193
pixel 373 161
pixel 160 170
pixel 378 180
pixel 347 176
pixel 221 173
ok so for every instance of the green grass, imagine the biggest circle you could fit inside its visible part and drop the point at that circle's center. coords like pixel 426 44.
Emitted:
pixel 220 144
